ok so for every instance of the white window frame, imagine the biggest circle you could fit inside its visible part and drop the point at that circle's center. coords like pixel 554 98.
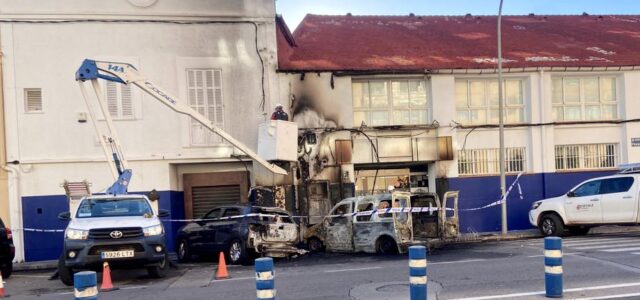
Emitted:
pixel 488 107
pixel 574 157
pixel 210 138
pixel 26 101
pixel 391 108
pixel 486 161
pixel 582 101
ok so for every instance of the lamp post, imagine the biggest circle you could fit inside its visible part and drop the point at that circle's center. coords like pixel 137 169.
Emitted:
pixel 503 181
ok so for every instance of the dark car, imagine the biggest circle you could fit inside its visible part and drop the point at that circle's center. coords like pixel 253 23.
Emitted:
pixel 240 231
pixel 7 251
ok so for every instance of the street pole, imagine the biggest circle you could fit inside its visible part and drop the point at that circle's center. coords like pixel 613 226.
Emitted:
pixel 503 181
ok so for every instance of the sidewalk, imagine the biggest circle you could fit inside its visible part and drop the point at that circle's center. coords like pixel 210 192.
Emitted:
pixel 464 238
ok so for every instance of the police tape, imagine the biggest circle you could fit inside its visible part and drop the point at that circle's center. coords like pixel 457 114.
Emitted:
pixel 504 197
pixel 259 215
pixel 382 211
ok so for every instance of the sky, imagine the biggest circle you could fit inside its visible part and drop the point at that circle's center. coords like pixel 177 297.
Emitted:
pixel 294 11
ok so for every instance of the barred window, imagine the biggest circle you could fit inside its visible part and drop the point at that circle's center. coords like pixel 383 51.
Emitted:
pixel 584 98
pixel 486 161
pixel 390 102
pixel 586 156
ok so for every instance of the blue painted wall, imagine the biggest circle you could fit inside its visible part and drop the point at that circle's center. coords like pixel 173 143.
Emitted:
pixel 479 191
pixel 41 212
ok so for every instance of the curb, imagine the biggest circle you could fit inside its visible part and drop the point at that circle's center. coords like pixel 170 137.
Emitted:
pixel 35 266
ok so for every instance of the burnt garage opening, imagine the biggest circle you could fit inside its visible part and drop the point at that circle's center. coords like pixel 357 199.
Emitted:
pixel 204 191
pixel 377 177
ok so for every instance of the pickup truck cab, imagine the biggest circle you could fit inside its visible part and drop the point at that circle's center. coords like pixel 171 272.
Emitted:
pixel 123 230
pixel 599 201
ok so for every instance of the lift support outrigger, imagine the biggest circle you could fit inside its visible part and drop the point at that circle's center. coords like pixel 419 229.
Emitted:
pixel 127 74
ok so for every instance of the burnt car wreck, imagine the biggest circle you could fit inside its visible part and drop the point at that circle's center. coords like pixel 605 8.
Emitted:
pixel 386 223
pixel 240 232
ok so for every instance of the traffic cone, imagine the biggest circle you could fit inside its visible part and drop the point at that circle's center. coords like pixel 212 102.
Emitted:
pixel 2 295
pixel 222 268
pixel 106 286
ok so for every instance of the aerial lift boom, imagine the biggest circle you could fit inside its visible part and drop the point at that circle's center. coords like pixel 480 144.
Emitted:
pixel 127 74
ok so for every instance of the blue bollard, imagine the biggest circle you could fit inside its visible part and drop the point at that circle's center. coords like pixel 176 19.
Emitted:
pixel 85 285
pixel 265 279
pixel 418 272
pixel 553 266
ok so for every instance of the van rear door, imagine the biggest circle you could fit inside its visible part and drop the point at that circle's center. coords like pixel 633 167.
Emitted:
pixel 402 219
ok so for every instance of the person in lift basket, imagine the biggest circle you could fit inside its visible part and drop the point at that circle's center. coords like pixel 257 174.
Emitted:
pixel 279 114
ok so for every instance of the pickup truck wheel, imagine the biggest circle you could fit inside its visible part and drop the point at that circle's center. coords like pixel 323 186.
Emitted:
pixel 236 253
pixel 579 230
pixel 386 245
pixel 159 270
pixel 184 251
pixel 314 244
pixel 6 270
pixel 65 273
pixel 551 225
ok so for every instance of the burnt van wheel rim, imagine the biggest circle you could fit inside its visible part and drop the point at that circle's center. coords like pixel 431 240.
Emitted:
pixel 235 251
pixel 548 226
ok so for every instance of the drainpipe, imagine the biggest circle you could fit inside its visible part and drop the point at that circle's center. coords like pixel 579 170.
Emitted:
pixel 16 212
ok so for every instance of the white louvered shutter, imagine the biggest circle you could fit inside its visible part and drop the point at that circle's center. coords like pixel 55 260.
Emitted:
pixel 119 100
pixel 33 100
pixel 205 96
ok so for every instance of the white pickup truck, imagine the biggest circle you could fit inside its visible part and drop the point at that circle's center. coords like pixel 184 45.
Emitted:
pixel 599 201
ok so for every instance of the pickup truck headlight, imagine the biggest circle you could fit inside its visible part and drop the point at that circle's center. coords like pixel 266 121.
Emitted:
pixel 153 230
pixel 76 234
pixel 536 204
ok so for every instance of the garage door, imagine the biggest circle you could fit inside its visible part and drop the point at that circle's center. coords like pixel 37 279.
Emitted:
pixel 207 197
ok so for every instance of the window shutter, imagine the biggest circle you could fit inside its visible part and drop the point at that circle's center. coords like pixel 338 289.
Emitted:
pixel 127 103
pixel 112 98
pixel 33 100
pixel 205 95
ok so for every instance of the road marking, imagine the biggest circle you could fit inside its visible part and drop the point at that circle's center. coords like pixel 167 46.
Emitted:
pixel 585 241
pixel 123 288
pixel 590 288
pixel 596 241
pixel 31 276
pixel 609 296
pixel 636 243
pixel 348 270
pixel 233 279
pixel 565 254
pixel 622 249
pixel 457 261
pixel 636 253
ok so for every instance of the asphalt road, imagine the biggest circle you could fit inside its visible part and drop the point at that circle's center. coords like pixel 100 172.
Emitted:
pixel 605 266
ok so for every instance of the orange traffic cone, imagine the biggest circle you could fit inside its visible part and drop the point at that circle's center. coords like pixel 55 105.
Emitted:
pixel 2 295
pixel 222 268
pixel 106 286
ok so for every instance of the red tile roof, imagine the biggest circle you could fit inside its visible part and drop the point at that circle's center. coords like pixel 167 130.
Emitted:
pixel 419 43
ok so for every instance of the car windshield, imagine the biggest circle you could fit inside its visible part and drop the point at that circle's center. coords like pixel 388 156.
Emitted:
pixel 121 207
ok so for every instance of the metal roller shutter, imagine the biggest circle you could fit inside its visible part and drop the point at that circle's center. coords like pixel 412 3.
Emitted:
pixel 207 197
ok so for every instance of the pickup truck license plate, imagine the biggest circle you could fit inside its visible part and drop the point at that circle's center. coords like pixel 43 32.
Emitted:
pixel 117 254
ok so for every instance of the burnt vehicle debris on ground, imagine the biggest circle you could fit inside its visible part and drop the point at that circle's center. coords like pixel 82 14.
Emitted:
pixel 241 232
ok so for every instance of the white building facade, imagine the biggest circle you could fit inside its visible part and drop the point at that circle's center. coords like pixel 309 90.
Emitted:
pixel 218 56
pixel 404 85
